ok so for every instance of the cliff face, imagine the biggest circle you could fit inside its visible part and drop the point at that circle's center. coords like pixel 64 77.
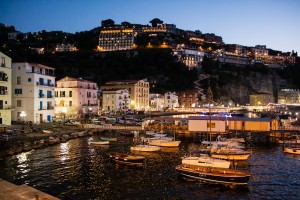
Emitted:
pixel 238 90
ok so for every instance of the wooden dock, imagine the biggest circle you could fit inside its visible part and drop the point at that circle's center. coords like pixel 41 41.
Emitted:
pixel 112 127
pixel 9 191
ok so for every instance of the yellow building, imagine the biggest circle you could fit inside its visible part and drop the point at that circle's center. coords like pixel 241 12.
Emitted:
pixel 138 91
pixel 5 89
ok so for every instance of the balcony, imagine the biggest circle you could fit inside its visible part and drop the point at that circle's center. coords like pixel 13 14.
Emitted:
pixel 4 79
pixel 41 95
pixel 7 107
pixel 45 84
pixel 49 96
pixel 3 92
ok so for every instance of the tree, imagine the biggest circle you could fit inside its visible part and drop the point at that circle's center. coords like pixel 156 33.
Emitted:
pixel 156 21
pixel 107 22
pixel 125 23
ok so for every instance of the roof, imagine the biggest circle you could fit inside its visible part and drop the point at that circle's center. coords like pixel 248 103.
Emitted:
pixel 43 66
pixel 229 118
pixel 67 78
pixel 123 82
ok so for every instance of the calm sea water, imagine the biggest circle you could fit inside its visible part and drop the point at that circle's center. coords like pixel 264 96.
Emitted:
pixel 76 170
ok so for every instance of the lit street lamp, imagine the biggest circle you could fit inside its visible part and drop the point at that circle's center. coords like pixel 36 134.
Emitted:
pixel 23 115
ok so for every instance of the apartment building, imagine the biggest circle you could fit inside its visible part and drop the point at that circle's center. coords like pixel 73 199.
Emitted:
pixel 115 100
pixel 156 102
pixel 289 96
pixel 138 90
pixel 188 99
pixel 75 97
pixel 33 87
pixel 170 100
pixel 5 89
pixel 261 99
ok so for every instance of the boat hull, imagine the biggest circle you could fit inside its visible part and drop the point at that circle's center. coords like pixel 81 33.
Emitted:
pixel 98 142
pixel 164 143
pixel 145 148
pixel 230 156
pixel 214 175
pixel 292 150
pixel 127 159
pixel 205 162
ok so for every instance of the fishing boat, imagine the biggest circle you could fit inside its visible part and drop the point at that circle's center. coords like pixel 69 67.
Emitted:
pixel 215 175
pixel 292 150
pixel 98 142
pixel 109 139
pixel 145 147
pixel 127 159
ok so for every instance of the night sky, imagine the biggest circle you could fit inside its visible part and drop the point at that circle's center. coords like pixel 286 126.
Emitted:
pixel 274 23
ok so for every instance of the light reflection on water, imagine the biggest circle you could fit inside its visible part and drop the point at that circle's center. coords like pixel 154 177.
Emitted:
pixel 76 170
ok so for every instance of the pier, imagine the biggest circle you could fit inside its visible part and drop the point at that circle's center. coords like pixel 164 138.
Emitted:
pixel 9 191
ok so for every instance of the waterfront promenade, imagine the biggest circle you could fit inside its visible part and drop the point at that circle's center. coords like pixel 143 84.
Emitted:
pixel 9 191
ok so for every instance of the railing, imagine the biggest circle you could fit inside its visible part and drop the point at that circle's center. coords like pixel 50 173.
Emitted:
pixel 112 127
pixel 4 79
pixel 45 84
pixel 41 95
pixel 7 108
pixel 89 104
pixel 4 93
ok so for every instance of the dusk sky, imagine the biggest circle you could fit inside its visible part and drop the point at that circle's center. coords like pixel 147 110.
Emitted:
pixel 275 23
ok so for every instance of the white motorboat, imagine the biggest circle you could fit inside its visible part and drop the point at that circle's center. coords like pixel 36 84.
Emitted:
pixel 231 154
pixel 142 147
pixel 205 161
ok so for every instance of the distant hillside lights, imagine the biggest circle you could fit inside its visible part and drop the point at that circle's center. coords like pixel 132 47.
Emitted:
pixel 65 48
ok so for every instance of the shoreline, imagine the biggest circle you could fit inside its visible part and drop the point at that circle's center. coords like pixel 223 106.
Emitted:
pixel 27 140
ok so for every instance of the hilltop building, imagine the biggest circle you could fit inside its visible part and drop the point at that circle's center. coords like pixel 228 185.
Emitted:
pixel 33 87
pixel 75 97
pixel 116 38
pixel 5 89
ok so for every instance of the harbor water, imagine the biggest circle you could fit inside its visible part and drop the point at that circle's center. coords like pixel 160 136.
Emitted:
pixel 77 170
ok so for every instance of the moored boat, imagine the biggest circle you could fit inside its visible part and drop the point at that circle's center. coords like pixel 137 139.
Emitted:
pixel 127 159
pixel 109 139
pixel 215 175
pixel 164 143
pixel 98 142
pixel 231 154
pixel 142 147
pixel 292 150
pixel 204 160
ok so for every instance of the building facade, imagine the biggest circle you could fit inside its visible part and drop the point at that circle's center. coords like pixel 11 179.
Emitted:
pixel 115 100
pixel 75 97
pixel 188 99
pixel 33 92
pixel 117 38
pixel 156 102
pixel 138 90
pixel 288 96
pixel 5 89
pixel 170 100
pixel 261 99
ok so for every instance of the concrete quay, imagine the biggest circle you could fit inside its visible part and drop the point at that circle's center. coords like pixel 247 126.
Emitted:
pixel 9 191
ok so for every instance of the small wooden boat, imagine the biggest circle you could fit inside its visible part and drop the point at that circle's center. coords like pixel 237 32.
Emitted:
pixel 143 147
pixel 215 175
pixel 292 150
pixel 98 142
pixel 109 139
pixel 127 159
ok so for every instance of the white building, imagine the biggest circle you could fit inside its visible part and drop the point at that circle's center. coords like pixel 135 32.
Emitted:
pixel 116 100
pixel 156 102
pixel 65 47
pixel 171 100
pixel 75 97
pixel 33 88
pixel 5 89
